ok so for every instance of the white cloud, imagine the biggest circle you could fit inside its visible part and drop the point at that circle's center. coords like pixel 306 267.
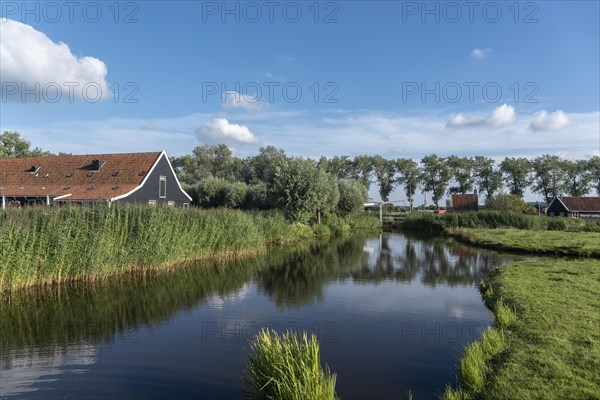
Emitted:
pixel 220 130
pixel 480 53
pixel 502 116
pixel 234 100
pixel 544 121
pixel 30 59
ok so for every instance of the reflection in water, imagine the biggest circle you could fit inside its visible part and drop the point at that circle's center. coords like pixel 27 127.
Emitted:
pixel 48 336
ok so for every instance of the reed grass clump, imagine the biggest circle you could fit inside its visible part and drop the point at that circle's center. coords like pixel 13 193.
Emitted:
pixel 287 367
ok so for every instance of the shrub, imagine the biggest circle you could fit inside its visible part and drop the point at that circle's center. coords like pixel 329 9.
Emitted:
pixel 510 203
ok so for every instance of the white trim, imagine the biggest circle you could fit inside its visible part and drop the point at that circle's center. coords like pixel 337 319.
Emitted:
pixel 163 153
pixel 176 179
pixel 62 197
pixel 161 179
pixel 561 202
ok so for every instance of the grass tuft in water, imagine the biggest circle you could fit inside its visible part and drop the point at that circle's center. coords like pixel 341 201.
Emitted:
pixel 287 367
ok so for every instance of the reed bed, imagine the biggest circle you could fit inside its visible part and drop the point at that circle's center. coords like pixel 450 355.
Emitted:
pixel 288 367
pixel 49 245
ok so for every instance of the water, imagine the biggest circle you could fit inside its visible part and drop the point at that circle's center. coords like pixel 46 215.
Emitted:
pixel 392 313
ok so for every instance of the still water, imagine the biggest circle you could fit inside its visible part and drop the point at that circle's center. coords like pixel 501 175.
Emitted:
pixel 392 313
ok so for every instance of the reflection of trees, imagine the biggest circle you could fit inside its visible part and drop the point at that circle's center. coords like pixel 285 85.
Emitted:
pixel 38 320
pixel 43 320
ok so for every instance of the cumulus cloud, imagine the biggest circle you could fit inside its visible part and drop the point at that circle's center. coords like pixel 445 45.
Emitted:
pixel 480 53
pixel 502 116
pixel 32 60
pixel 545 121
pixel 220 130
pixel 234 100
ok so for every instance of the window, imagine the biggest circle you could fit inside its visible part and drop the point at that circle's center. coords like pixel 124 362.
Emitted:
pixel 170 203
pixel 151 202
pixel 162 187
pixel 186 205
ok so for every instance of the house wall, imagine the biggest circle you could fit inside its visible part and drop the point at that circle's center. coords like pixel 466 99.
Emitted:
pixel 557 209
pixel 149 191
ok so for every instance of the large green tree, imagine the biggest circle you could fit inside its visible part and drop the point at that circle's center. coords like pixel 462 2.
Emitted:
pixel 353 196
pixel 302 189
pixel 488 178
pixel 594 168
pixel 516 172
pixel 385 171
pixel 435 176
pixel 408 177
pixel 578 177
pixel 462 172
pixel 549 176
pixel 362 167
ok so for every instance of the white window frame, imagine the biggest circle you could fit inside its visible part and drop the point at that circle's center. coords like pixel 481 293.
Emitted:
pixel 162 179
pixel 152 203
pixel 186 205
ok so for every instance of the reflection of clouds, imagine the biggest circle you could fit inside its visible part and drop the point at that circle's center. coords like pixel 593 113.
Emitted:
pixel 25 369
pixel 217 301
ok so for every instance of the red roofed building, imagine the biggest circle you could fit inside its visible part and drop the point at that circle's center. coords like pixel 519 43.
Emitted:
pixel 143 178
pixel 575 207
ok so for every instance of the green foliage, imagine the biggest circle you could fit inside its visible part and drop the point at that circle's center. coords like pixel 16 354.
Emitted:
pixel 385 170
pixel 593 166
pixel 353 196
pixel 510 203
pixel 516 174
pixel 408 171
pixel 12 145
pixel 435 176
pixel 578 177
pixel 462 170
pixel 302 189
pixel 288 367
pixel 487 177
pixel 549 176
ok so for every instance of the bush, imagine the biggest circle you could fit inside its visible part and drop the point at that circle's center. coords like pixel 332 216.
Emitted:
pixel 510 203
pixel 353 196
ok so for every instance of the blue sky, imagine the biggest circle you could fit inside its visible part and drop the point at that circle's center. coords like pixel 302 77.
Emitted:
pixel 362 68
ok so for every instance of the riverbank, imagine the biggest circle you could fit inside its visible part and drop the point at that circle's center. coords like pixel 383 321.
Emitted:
pixel 550 347
pixel 544 343
pixel 41 246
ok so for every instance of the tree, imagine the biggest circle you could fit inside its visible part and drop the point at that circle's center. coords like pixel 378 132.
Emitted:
pixel 207 161
pixel 462 171
pixel 261 168
pixel 509 203
pixel 302 189
pixel 549 176
pixel 362 167
pixel 353 196
pixel 578 178
pixel 408 172
pixel 594 168
pixel 516 174
pixel 339 167
pixel 487 177
pixel 385 171
pixel 12 145
pixel 435 175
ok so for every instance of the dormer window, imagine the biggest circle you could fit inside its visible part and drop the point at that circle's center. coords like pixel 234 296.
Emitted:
pixel 34 169
pixel 97 164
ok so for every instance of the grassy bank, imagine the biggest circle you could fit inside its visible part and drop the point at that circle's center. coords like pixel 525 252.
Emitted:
pixel 288 367
pixel 548 337
pixel 46 245
pixel 580 244
pixel 433 223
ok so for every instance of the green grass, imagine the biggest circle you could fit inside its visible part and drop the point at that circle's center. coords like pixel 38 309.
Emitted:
pixel 585 244
pixel 49 245
pixel 550 334
pixel 288 367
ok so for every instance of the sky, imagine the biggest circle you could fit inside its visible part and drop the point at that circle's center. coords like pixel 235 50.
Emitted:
pixel 394 78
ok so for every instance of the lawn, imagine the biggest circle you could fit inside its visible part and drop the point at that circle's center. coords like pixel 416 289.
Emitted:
pixel 585 244
pixel 552 349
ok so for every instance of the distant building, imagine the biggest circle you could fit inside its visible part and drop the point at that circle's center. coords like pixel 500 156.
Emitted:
pixel 143 178
pixel 575 207
pixel 463 203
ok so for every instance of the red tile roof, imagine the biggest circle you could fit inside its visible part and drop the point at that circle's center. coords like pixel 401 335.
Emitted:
pixel 581 203
pixel 74 175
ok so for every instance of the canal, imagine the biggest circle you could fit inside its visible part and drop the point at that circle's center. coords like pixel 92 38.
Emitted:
pixel 392 313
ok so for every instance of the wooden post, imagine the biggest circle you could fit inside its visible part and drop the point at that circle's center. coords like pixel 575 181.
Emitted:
pixel 3 202
pixel 47 200
pixel 381 213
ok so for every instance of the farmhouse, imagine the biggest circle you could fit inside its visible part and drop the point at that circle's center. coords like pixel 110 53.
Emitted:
pixel 575 207
pixel 143 178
